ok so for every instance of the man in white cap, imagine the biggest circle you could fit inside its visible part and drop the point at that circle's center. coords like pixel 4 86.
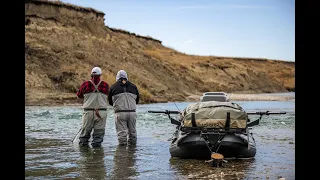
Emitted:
pixel 95 100
pixel 124 96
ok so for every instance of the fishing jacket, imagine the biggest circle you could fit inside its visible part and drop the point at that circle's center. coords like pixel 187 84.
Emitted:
pixel 123 97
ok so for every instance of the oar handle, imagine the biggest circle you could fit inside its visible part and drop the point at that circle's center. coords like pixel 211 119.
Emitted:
pixel 264 113
pixel 165 112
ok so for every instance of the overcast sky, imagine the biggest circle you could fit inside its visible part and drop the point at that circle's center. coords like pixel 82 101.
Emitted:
pixel 241 28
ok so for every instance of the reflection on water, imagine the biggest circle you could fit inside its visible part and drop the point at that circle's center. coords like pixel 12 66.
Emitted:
pixel 91 163
pixel 124 163
pixel 198 169
pixel 50 153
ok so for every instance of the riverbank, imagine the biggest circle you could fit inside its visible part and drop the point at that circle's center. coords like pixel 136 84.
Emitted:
pixel 64 41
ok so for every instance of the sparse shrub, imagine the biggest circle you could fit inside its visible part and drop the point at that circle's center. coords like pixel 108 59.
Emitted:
pixel 109 78
pixel 291 89
pixel 145 95
pixel 71 87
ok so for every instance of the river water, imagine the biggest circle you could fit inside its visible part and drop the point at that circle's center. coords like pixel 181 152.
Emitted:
pixel 50 153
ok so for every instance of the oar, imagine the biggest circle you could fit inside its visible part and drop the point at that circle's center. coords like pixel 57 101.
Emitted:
pixel 265 113
pixel 165 112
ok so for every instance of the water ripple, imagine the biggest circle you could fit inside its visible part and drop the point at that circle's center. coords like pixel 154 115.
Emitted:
pixel 50 153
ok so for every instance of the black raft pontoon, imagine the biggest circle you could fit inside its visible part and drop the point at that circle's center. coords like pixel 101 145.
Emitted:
pixel 205 128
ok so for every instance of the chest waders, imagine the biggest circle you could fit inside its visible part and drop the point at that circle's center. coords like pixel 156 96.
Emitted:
pixel 94 117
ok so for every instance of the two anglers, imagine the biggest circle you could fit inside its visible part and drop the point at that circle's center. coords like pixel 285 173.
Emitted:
pixel 123 95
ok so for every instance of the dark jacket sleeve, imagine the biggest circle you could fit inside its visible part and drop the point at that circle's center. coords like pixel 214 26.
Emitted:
pixel 138 98
pixel 110 96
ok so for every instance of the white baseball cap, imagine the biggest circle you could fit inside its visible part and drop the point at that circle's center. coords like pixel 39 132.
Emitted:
pixel 121 74
pixel 96 71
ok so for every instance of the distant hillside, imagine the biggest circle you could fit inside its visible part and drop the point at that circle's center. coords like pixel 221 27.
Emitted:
pixel 63 42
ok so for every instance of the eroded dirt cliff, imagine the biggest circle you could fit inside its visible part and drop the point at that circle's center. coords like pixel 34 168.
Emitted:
pixel 63 42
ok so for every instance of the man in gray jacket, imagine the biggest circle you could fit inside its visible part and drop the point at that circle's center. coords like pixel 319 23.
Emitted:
pixel 124 96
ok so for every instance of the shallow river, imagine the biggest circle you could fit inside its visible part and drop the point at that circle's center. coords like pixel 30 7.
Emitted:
pixel 50 153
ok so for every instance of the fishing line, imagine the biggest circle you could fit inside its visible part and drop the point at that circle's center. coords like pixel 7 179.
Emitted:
pixel 176 106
